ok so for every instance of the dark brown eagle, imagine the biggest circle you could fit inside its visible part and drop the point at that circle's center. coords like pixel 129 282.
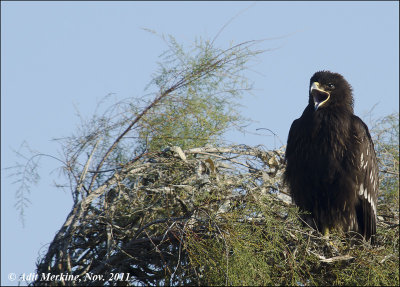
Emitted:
pixel 332 170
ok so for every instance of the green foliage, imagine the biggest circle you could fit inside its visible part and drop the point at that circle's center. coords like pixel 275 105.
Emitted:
pixel 385 133
pixel 202 110
pixel 280 252
pixel 205 108
pixel 248 253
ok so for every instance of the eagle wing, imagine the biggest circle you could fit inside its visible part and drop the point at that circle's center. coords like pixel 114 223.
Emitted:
pixel 367 180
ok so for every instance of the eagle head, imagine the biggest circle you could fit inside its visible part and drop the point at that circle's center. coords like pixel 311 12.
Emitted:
pixel 330 90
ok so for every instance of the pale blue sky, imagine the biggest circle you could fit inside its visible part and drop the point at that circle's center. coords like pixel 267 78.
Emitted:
pixel 57 55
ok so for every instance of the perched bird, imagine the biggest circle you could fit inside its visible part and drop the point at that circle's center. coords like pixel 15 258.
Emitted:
pixel 331 170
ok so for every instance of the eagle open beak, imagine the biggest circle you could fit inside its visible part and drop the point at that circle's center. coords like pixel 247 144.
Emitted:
pixel 319 95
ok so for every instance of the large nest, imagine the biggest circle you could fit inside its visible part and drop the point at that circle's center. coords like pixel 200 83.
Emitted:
pixel 202 216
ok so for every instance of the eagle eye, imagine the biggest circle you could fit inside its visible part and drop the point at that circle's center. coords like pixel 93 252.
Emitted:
pixel 331 86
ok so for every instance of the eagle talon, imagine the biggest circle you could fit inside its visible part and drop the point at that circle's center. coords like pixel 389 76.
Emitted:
pixel 325 232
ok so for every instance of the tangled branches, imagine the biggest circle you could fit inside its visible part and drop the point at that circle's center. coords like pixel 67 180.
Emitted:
pixel 193 217
pixel 138 220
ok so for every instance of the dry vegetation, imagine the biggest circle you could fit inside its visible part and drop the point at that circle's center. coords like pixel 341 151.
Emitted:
pixel 211 216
